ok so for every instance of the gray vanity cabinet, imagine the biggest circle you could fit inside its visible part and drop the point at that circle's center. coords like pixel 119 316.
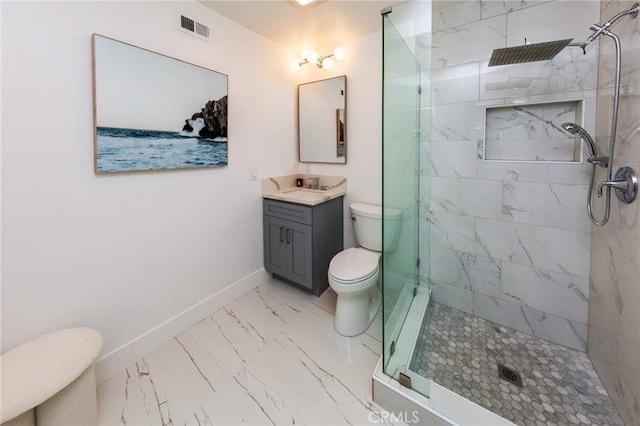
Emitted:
pixel 301 240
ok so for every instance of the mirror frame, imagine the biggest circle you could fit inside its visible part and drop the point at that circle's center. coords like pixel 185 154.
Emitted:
pixel 340 115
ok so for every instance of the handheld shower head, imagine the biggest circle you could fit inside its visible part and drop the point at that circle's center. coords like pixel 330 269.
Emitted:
pixel 575 129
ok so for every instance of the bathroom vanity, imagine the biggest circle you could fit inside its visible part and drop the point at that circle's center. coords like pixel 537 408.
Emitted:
pixel 303 230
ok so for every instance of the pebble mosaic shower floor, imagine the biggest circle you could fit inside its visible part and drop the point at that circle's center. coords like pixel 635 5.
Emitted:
pixel 560 386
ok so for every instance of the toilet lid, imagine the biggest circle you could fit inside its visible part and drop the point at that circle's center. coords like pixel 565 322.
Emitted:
pixel 354 264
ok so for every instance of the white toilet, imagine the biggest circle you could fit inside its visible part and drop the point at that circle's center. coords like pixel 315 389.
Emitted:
pixel 354 272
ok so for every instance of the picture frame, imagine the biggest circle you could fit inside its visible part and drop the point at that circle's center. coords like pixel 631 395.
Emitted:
pixel 155 112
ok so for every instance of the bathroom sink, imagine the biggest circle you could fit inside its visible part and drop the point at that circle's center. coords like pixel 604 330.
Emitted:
pixel 283 188
pixel 303 193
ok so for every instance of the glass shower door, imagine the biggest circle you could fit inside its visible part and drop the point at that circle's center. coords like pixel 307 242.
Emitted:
pixel 400 180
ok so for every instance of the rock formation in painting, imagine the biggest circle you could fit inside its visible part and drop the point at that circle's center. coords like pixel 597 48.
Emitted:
pixel 210 122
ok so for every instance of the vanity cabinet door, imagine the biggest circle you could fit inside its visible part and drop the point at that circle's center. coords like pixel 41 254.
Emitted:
pixel 300 241
pixel 275 250
pixel 299 254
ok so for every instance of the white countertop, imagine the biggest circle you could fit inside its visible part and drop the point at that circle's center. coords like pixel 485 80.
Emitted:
pixel 283 188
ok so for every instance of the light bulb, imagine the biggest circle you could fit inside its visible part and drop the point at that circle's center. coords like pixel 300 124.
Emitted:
pixel 339 53
pixel 305 54
pixel 327 63
pixel 313 57
pixel 295 65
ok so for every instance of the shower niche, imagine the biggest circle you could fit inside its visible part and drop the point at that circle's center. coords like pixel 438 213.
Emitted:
pixel 532 132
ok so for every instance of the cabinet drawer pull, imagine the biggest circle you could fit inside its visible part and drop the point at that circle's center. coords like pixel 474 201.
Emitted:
pixel 288 242
pixel 281 237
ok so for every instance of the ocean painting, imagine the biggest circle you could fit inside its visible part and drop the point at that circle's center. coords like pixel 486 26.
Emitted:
pixel 153 112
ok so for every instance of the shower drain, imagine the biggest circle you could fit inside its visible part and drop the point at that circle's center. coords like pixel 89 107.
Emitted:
pixel 510 375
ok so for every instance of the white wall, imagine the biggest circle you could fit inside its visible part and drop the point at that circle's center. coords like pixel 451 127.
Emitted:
pixel 363 170
pixel 130 254
pixel 125 253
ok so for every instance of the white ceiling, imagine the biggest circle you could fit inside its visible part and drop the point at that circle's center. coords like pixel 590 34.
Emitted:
pixel 321 25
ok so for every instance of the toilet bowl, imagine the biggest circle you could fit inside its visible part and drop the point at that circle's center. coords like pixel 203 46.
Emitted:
pixel 354 273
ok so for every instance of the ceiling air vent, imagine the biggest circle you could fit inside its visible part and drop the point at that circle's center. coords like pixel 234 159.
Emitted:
pixel 192 27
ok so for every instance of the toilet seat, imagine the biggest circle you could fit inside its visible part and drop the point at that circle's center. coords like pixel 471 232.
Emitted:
pixel 354 265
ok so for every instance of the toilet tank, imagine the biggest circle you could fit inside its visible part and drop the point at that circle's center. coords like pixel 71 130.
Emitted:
pixel 367 225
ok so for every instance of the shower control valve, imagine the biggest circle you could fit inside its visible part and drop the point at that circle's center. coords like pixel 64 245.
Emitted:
pixel 625 185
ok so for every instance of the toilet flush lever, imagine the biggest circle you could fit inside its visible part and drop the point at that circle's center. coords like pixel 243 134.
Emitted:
pixel 353 218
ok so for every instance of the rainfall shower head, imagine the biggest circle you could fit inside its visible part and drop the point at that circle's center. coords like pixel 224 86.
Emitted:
pixel 527 53
pixel 575 129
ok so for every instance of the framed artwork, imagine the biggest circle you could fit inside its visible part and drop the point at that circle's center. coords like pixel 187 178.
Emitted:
pixel 154 112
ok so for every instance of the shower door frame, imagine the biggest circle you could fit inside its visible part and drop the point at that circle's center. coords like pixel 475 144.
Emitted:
pixel 399 337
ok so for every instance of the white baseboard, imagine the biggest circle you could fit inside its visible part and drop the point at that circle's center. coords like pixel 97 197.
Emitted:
pixel 117 360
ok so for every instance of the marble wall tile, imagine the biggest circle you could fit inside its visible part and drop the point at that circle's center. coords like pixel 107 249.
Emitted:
pixel 569 71
pixel 449 268
pixel 512 171
pixel 454 158
pixel 563 150
pixel 552 21
pixel 469 42
pixel 531 132
pixel 546 248
pixel 457 122
pixel 470 197
pixel 626 148
pixel 464 270
pixel 563 295
pixel 456 297
pixel 424 198
pixel 515 150
pixel 534 121
pixel 614 308
pixel 456 15
pixel 560 150
pixel 493 8
pixel 423 50
pixel 453 231
pixel 614 275
pixel 522 318
pixel 555 205
pixel 622 387
pixel 529 234
pixel 575 173
pixel 424 247
pixel 628 31
pixel 455 84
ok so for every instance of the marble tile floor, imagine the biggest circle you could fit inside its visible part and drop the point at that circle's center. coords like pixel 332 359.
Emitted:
pixel 271 357
pixel 560 386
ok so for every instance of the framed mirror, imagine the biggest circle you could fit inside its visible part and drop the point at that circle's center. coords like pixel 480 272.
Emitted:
pixel 322 121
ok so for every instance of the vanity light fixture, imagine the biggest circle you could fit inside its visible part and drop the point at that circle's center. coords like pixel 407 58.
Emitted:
pixel 303 2
pixel 310 57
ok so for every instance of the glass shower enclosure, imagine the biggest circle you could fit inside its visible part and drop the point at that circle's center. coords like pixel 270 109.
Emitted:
pixel 405 289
